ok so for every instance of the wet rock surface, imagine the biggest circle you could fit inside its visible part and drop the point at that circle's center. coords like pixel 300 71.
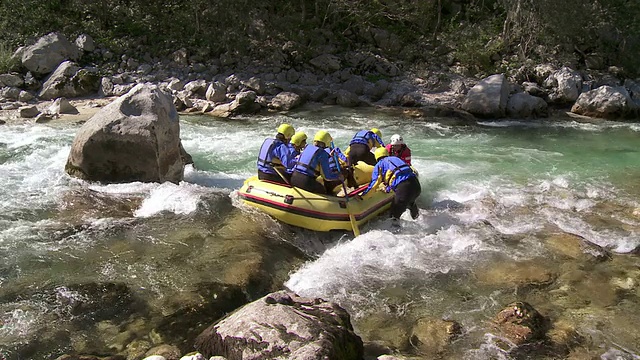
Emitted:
pixel 286 326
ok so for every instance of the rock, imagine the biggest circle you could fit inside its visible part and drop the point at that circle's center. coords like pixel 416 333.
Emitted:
pixel 512 273
pixel 564 336
pixel 48 52
pixel 13 80
pixel 198 356
pixel 256 84
pixel 285 101
pixel 523 105
pixel 327 63
pixel 216 92
pixel 196 88
pixel 565 85
pixel 432 337
pixel 69 80
pixel 488 98
pixel 534 89
pixel 28 112
pixel 520 323
pixel 62 106
pixel 155 357
pixel 606 102
pixel 184 314
pixel 43 118
pixel 85 43
pixel 306 329
pixel 135 138
pixel 105 88
pixel 347 99
pixel 168 352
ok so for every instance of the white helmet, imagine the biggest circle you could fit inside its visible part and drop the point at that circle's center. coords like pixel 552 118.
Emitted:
pixel 396 140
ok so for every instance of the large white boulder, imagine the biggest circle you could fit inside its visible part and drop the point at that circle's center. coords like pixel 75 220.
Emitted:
pixel 48 52
pixel 488 99
pixel 135 138
pixel 606 102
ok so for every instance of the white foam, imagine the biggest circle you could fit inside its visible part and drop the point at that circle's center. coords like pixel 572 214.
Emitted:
pixel 380 256
pixel 180 199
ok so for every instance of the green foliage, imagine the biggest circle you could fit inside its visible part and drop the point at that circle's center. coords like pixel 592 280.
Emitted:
pixel 7 62
pixel 477 31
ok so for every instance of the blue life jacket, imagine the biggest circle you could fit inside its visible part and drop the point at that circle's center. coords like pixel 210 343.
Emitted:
pixel 274 153
pixel 391 171
pixel 366 137
pixel 314 161
pixel 332 161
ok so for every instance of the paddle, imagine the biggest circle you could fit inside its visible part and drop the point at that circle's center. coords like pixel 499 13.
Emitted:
pixel 354 225
pixel 288 183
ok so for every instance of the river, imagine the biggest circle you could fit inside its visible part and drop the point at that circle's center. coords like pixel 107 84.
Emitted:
pixel 524 193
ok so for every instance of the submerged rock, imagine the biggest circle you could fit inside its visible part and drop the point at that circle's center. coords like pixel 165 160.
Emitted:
pixel 431 337
pixel 285 326
pixel 520 323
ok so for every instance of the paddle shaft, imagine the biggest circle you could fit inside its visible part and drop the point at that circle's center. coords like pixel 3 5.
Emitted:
pixel 352 219
pixel 288 183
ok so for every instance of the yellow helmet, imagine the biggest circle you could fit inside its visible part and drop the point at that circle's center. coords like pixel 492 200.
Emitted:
pixel 381 152
pixel 377 132
pixel 298 138
pixel 324 137
pixel 286 130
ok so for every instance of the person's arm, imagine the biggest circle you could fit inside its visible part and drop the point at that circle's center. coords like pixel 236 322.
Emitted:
pixel 377 138
pixel 341 157
pixel 327 173
pixel 375 180
pixel 284 154
pixel 408 157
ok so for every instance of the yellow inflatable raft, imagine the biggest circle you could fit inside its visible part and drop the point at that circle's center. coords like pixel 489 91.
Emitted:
pixel 318 212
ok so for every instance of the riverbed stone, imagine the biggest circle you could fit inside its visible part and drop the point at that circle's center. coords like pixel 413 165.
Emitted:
pixel 516 273
pixel 564 336
pixel 169 352
pixel 301 328
pixel 431 337
pixel 385 331
pixel 520 323
pixel 567 245
pixel 135 138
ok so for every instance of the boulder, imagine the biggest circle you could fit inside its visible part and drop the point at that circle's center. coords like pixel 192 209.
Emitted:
pixel 347 99
pixel 520 323
pixel 48 52
pixel 62 106
pixel 85 42
pixel 523 105
pixel 28 111
pixel 216 92
pixel 135 138
pixel 327 63
pixel 606 102
pixel 285 326
pixel 69 80
pixel 285 101
pixel 13 80
pixel 565 85
pixel 488 99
